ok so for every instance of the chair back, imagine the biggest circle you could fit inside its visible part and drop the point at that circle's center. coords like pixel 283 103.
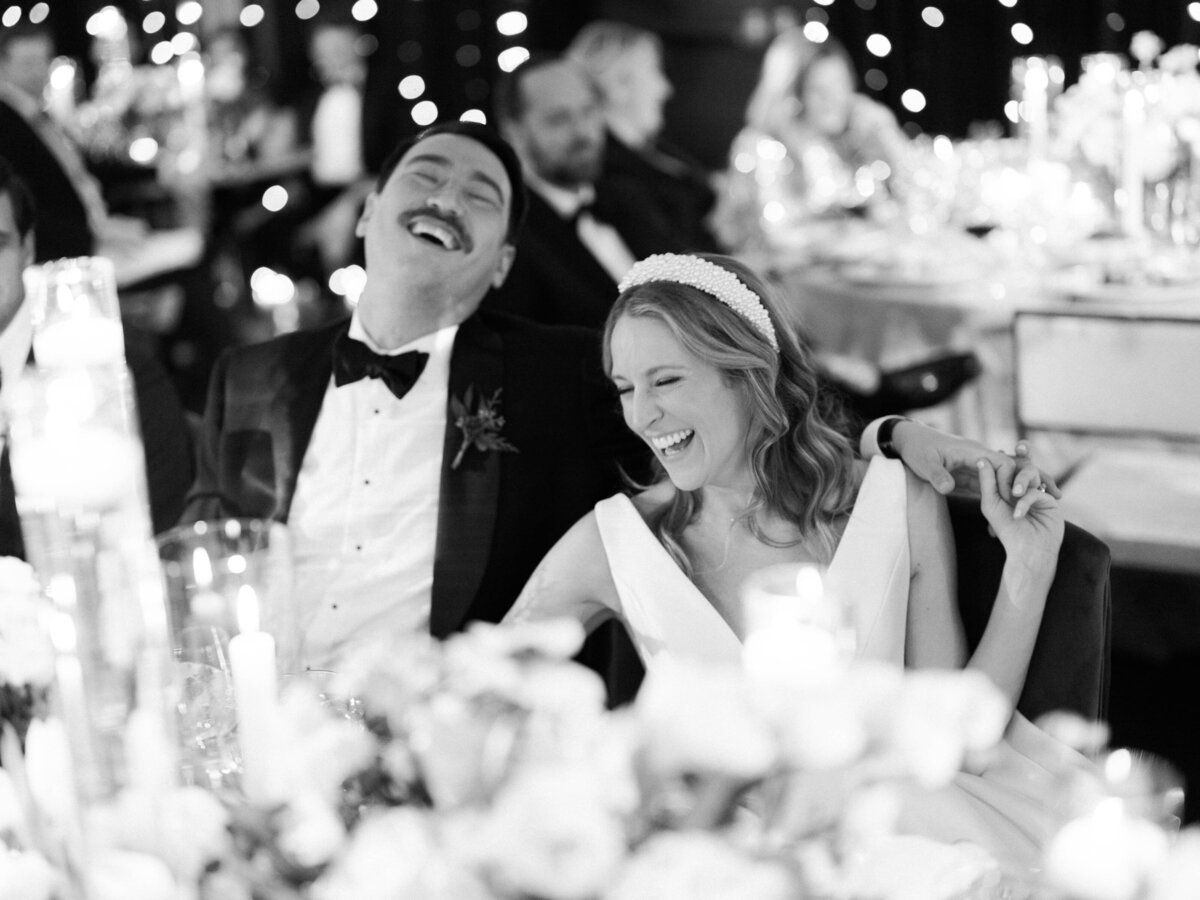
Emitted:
pixel 1069 669
pixel 1112 376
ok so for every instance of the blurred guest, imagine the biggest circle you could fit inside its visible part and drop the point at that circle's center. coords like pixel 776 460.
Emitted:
pixel 347 124
pixel 625 62
pixel 812 147
pixel 165 436
pixel 73 210
pixel 244 124
pixel 582 232
pixel 75 220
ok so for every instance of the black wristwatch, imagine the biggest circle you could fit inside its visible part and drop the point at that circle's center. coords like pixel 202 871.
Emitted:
pixel 883 437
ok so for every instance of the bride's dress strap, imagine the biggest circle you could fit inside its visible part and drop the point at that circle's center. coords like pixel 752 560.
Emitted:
pixel 664 612
pixel 871 569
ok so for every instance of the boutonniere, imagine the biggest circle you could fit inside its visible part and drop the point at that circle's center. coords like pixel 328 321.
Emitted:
pixel 479 421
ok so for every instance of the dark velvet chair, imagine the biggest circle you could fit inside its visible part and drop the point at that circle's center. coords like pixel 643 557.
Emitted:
pixel 1070 665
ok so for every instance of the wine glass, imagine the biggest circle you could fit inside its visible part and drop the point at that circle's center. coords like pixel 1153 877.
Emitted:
pixel 207 716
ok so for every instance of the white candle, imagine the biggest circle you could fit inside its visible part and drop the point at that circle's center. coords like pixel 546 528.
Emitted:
pixel 1036 99
pixel 1133 118
pixel 86 340
pixel 252 658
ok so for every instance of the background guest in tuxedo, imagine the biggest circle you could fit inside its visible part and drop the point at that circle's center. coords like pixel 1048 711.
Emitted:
pixel 583 232
pixel 844 151
pixel 165 436
pixel 625 62
pixel 424 455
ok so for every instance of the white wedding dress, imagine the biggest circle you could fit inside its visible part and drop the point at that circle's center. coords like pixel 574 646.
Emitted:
pixel 1003 809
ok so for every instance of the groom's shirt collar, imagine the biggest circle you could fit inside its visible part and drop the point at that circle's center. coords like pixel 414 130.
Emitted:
pixel 364 516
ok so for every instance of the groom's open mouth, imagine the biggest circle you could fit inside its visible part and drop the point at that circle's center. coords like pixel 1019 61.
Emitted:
pixel 437 230
pixel 674 443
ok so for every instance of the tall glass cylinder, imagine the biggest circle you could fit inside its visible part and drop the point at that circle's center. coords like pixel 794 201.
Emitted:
pixel 76 313
pixel 79 474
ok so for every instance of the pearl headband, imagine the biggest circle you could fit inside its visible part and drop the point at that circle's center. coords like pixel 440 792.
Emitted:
pixel 708 277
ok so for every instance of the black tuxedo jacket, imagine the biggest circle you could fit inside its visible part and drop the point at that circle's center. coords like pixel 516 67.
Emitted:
pixel 499 512
pixel 676 184
pixel 556 280
pixel 62 227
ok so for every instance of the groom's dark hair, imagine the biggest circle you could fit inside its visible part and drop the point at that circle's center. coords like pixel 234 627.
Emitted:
pixel 490 139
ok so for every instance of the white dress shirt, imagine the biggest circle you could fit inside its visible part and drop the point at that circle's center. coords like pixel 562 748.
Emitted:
pixel 602 240
pixel 364 517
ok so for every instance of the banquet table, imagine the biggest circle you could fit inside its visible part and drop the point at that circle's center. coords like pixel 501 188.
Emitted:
pixel 957 297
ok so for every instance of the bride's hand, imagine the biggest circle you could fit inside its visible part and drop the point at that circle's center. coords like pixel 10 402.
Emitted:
pixel 1031 528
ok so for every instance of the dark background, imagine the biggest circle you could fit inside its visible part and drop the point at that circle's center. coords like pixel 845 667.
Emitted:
pixel 712 56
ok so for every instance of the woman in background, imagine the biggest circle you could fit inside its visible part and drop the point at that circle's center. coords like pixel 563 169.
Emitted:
pixel 812 147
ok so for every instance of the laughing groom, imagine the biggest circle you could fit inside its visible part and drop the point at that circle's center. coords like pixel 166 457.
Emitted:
pixel 424 455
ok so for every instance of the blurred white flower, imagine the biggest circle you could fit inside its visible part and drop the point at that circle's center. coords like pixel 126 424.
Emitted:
pixel 701 719
pixel 125 875
pixel 26 654
pixel 396 855
pixel 553 638
pixel 941 716
pixel 383 860
pixel 185 828
pixel 318 751
pixel 1178 878
pixel 26 876
pixel 699 865
pixel 463 750
pixel 551 834
pixel 825 728
pixel 310 832
pixel 566 691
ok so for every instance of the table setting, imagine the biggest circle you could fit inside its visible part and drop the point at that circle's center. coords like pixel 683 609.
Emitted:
pixel 163 739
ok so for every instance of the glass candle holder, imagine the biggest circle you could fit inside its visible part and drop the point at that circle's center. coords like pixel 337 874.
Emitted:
pixel 234 634
pixel 79 474
pixel 76 313
pixel 795 631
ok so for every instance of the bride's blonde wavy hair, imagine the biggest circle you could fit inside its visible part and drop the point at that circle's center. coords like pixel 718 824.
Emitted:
pixel 801 462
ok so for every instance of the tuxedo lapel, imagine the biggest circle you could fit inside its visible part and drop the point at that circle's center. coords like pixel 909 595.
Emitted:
pixel 294 412
pixel 469 493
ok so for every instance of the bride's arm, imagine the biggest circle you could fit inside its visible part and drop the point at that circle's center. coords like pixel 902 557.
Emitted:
pixel 1031 533
pixel 572 580
pixel 1031 543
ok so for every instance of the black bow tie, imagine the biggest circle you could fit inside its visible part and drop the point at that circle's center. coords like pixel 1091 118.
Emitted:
pixel 353 360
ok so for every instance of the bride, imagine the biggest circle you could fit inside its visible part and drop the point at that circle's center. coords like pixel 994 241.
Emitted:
pixel 752 474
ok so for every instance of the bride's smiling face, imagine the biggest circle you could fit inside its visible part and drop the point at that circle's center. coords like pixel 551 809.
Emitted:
pixel 679 404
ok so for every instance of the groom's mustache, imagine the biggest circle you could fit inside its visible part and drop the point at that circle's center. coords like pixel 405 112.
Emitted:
pixel 448 218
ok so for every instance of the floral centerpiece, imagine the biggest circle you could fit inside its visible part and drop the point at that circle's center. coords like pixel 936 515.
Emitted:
pixel 487 768
pixel 1143 124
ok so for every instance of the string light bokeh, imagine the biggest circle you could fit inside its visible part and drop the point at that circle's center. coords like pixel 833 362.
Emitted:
pixel 939 67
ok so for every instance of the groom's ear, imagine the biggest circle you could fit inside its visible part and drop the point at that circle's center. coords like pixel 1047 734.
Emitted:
pixel 360 227
pixel 507 254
